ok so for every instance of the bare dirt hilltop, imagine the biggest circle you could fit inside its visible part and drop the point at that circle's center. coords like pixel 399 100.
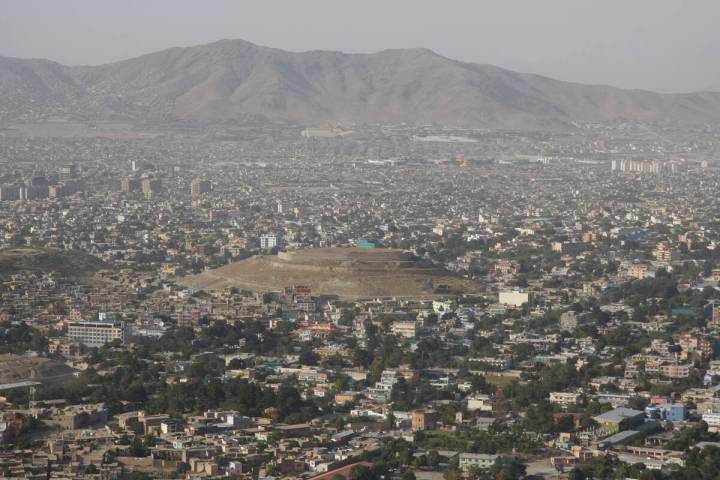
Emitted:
pixel 17 368
pixel 343 271
pixel 68 264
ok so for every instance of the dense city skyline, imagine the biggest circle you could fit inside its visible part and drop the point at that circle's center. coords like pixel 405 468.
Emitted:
pixel 231 261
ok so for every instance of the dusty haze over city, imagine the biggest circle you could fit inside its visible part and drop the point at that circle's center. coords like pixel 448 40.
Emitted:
pixel 331 240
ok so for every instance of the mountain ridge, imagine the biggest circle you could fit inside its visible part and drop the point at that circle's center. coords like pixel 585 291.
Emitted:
pixel 236 80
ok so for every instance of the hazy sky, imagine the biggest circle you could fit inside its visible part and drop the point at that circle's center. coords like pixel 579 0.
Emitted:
pixel 665 45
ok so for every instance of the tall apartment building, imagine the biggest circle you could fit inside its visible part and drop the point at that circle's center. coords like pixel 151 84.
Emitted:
pixel 424 420
pixel 269 240
pixel 9 192
pixel 715 321
pixel 68 171
pixel 151 186
pixel 64 189
pixel 200 187
pixel 98 333
pixel 663 252
pixel 130 184
pixel 37 187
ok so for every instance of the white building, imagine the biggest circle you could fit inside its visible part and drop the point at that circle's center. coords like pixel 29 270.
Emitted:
pixel 565 398
pixel 98 333
pixel 480 402
pixel 324 132
pixel 268 241
pixel 515 298
pixel 712 419
pixel 568 321
pixel 442 306
pixel 481 461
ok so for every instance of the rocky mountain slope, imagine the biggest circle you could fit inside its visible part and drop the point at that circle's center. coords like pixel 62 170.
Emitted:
pixel 234 80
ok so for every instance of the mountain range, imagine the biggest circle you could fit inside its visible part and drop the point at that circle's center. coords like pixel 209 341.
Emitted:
pixel 234 80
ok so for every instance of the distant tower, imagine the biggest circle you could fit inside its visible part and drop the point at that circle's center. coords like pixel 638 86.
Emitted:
pixel 279 206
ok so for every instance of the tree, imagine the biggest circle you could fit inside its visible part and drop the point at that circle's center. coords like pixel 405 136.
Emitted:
pixel 361 472
pixel 182 468
pixel 308 357
pixel 508 470
pixel 576 474
pixel 433 458
pixel 139 476
pixel 452 474
pixel 138 448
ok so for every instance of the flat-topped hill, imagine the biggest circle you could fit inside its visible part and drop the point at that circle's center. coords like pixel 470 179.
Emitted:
pixel 343 271
pixel 68 264
pixel 18 368
pixel 348 258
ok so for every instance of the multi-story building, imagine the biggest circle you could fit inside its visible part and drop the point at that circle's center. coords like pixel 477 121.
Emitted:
pixel 130 184
pixel 620 419
pixel 480 402
pixel 424 420
pixel 568 248
pixel 674 412
pixel 269 240
pixel 98 333
pixel 696 345
pixel 515 298
pixel 639 270
pixel 405 329
pixel 200 187
pixel 673 370
pixel 68 171
pixel 664 253
pixel 712 419
pixel 151 186
pixel 480 461
pixel 9 192
pixel 63 346
pixel 565 398
pixel 715 321
pixel 498 362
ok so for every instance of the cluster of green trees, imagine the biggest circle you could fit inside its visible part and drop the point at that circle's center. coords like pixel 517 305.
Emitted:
pixel 398 458
pixel 692 435
pixel 407 395
pixel 234 394
pixel 130 380
pixel 19 338
pixel 476 441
